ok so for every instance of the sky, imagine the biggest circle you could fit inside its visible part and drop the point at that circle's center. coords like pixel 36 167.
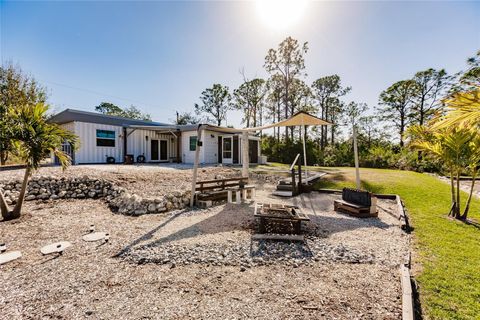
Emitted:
pixel 160 56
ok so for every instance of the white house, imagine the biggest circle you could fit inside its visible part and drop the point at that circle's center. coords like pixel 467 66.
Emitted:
pixel 105 138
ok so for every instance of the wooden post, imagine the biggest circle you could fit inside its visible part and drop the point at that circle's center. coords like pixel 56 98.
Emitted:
pixel 245 158
pixel 300 176
pixel 355 151
pixel 195 165
pixel 304 147
pixel 294 187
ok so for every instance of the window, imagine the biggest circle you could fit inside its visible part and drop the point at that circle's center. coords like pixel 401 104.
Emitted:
pixel 193 143
pixel 105 138
pixel 227 148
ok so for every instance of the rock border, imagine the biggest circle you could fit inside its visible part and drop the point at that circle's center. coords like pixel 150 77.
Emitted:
pixel 46 188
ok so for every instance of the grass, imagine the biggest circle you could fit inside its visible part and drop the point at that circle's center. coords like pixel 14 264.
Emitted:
pixel 446 252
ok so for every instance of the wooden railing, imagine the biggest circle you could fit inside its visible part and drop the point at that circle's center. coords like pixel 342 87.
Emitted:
pixel 296 189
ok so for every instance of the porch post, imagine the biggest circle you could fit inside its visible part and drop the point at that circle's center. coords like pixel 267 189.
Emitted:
pixel 178 136
pixel 124 144
pixel 245 158
pixel 195 164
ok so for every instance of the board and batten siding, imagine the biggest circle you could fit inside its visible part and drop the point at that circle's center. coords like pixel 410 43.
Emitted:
pixel 137 144
pixel 209 151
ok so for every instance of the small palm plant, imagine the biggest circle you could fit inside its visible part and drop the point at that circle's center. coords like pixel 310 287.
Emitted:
pixel 35 140
pixel 455 148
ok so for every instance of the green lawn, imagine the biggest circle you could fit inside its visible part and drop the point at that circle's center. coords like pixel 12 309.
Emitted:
pixel 446 253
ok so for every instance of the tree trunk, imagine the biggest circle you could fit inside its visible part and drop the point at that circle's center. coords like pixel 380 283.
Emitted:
pixel 457 210
pixel 452 190
pixel 3 158
pixel 17 210
pixel 4 209
pixel 467 206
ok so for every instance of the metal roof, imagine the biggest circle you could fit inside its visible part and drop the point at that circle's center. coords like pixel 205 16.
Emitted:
pixel 70 115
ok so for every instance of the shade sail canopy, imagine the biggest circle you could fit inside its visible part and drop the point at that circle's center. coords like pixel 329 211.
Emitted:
pixel 300 118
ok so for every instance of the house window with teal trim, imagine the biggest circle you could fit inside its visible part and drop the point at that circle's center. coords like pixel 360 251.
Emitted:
pixel 193 143
pixel 105 138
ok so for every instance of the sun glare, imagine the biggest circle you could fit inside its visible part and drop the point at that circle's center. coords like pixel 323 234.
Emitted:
pixel 280 14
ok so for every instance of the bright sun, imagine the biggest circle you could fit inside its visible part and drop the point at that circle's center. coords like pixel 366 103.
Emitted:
pixel 280 14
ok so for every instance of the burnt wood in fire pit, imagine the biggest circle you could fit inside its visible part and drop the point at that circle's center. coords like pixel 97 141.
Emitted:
pixel 279 218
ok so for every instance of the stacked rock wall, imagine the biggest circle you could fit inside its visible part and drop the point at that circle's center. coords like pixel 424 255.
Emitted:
pixel 118 199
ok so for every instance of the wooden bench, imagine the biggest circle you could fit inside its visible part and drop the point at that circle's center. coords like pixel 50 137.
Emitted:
pixel 357 203
pixel 217 190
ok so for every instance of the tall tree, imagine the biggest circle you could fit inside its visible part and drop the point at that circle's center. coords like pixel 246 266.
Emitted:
pixel 186 118
pixel 274 102
pixel 354 111
pixel 327 92
pixel 215 103
pixel 35 140
pixel 368 125
pixel 431 84
pixel 16 89
pixel 287 62
pixel 395 105
pixel 249 97
pixel 131 112
pixel 471 77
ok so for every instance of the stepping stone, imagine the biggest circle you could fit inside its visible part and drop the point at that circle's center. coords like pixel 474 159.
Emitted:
pixel 95 236
pixel 56 247
pixel 9 256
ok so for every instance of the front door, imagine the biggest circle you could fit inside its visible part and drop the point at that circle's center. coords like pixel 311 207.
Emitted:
pixel 163 150
pixel 219 152
pixel 154 150
pixel 235 149
pixel 227 150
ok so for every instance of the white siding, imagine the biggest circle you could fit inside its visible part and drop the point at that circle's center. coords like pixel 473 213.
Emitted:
pixel 137 144
pixel 208 153
pixel 88 151
pixel 187 155
pixel 210 147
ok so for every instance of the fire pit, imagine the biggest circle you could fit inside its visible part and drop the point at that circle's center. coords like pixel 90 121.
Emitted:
pixel 279 218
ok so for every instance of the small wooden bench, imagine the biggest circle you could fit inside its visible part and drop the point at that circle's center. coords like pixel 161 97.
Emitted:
pixel 217 190
pixel 357 203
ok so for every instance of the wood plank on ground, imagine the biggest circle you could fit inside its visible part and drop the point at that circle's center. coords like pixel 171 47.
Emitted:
pixel 407 294
pixel 282 237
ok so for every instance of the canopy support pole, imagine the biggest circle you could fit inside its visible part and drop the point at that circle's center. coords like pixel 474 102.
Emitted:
pixel 304 147
pixel 195 165
pixel 355 151
pixel 245 158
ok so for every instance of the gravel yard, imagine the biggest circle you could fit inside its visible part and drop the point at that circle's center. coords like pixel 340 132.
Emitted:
pixel 201 263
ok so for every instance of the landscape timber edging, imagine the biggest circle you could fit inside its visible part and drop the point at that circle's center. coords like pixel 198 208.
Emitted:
pixel 408 306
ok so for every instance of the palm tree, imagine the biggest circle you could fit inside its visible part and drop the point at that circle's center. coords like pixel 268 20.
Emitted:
pixel 473 166
pixel 451 146
pixel 462 107
pixel 35 140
